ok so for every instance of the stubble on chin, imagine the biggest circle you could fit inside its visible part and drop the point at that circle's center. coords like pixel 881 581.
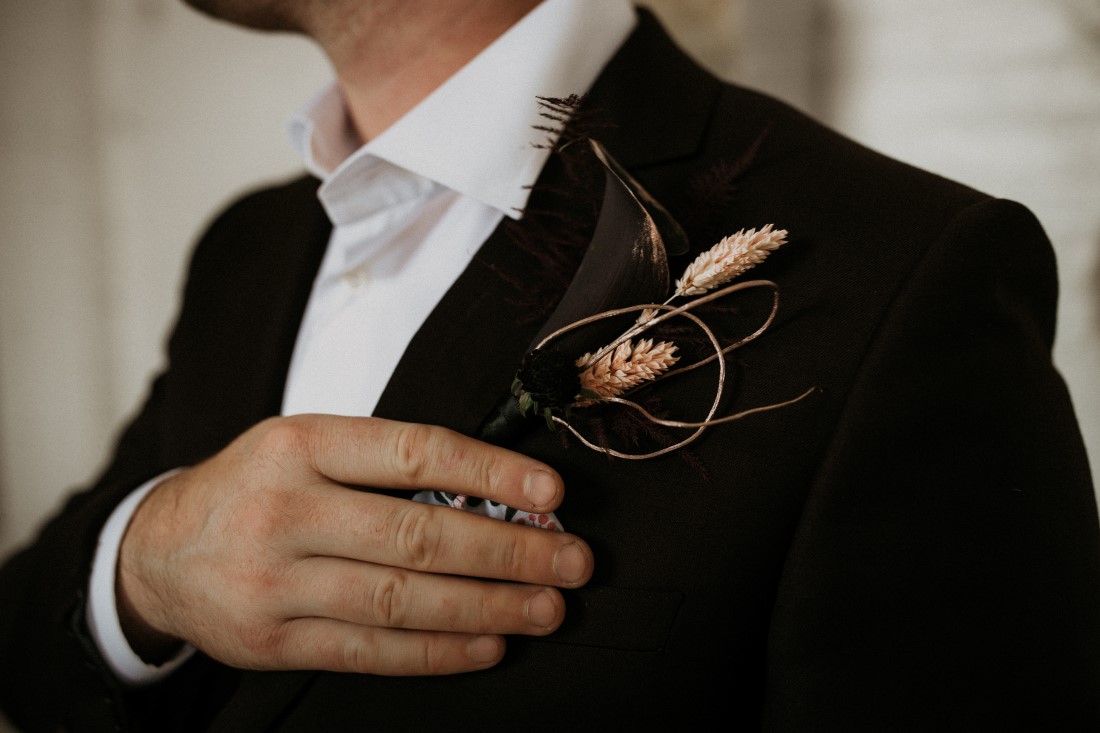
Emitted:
pixel 264 15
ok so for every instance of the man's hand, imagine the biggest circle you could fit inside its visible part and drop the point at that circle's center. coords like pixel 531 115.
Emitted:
pixel 266 557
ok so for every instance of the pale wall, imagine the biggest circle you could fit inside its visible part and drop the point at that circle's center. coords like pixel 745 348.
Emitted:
pixel 125 125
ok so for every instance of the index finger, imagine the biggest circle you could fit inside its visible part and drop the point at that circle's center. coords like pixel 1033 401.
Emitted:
pixel 388 454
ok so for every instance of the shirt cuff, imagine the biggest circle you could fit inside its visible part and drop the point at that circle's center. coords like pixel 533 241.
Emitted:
pixel 101 611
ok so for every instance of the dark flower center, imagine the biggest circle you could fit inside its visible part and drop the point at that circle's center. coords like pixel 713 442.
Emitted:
pixel 550 377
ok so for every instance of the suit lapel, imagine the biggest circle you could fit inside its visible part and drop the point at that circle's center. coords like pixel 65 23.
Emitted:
pixel 313 231
pixel 462 360
pixel 657 100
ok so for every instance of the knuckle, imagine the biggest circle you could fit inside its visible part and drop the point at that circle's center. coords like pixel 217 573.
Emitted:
pixel 488 474
pixel 469 463
pixel 386 598
pixel 434 657
pixel 415 538
pixel 411 451
pixel 512 555
pixel 264 584
pixel 356 655
pixel 253 590
pixel 267 518
pixel 286 437
pixel 264 642
pixel 257 520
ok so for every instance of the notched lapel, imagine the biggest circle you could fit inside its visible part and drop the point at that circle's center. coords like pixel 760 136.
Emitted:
pixel 466 353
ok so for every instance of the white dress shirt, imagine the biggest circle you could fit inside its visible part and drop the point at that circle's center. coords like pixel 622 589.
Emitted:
pixel 409 210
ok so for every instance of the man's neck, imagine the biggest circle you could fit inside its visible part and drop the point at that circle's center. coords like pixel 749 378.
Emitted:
pixel 390 55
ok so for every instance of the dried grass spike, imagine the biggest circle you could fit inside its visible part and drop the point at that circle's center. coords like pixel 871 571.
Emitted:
pixel 626 367
pixel 729 258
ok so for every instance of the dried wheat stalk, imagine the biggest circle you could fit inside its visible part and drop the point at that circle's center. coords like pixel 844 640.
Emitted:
pixel 729 258
pixel 626 366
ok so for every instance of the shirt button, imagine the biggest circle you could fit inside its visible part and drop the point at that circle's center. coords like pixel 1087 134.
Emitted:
pixel 358 278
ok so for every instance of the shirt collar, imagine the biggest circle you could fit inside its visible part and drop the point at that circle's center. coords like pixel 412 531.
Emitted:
pixel 486 148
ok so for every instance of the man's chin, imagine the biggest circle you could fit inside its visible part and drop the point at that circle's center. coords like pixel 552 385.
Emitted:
pixel 263 15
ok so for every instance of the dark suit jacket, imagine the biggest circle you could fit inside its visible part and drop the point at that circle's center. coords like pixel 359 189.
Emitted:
pixel 915 547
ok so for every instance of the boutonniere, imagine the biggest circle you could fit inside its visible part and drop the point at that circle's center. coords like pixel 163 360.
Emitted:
pixel 599 347
pixel 603 345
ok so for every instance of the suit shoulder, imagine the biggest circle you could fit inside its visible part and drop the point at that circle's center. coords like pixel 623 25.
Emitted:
pixel 858 217
pixel 273 227
pixel 815 156
pixel 281 200
pixel 264 216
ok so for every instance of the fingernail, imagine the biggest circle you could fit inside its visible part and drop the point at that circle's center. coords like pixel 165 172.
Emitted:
pixel 483 649
pixel 541 610
pixel 570 563
pixel 540 488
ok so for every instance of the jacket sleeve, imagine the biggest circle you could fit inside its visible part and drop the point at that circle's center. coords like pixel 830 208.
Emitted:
pixel 53 677
pixel 945 574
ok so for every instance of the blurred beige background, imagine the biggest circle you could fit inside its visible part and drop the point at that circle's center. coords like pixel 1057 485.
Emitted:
pixel 126 123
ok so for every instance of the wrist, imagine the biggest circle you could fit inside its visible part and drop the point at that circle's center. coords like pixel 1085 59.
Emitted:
pixel 103 607
pixel 136 601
